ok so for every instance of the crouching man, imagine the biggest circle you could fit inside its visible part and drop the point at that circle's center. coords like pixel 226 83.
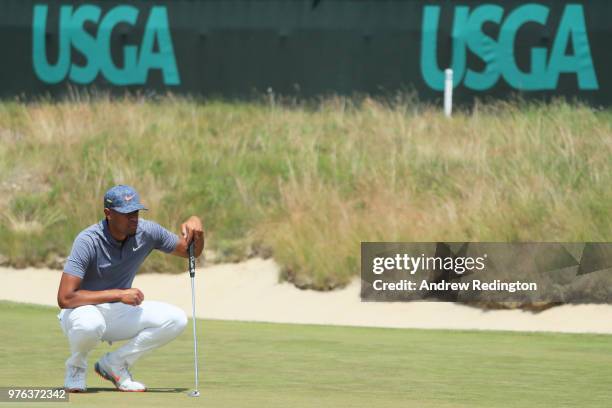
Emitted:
pixel 97 299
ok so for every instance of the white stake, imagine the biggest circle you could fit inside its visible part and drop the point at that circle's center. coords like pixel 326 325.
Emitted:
pixel 448 92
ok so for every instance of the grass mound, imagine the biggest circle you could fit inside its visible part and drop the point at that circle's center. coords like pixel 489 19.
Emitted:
pixel 306 184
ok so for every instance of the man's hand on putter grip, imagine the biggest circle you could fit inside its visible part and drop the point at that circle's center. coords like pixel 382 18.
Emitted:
pixel 132 296
pixel 192 229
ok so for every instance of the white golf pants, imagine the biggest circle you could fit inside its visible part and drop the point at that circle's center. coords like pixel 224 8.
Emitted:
pixel 147 326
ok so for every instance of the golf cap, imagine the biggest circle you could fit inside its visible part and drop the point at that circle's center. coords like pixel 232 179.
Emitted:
pixel 123 199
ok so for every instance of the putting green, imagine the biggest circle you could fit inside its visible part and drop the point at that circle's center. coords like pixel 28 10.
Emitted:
pixel 281 365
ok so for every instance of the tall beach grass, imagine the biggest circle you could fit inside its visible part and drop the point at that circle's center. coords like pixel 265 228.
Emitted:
pixel 305 184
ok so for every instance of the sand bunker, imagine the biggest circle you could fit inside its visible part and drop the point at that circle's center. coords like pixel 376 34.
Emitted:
pixel 250 291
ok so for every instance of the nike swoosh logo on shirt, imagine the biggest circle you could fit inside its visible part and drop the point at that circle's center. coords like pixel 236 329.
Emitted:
pixel 137 248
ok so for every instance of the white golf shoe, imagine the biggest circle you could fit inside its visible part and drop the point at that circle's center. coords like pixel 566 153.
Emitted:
pixel 75 379
pixel 118 375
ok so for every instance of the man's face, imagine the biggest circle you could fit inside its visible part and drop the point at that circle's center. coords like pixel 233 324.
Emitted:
pixel 125 224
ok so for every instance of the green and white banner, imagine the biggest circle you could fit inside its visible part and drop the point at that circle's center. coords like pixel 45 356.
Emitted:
pixel 537 49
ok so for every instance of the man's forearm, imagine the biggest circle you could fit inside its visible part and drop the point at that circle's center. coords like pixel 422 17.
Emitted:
pixel 89 297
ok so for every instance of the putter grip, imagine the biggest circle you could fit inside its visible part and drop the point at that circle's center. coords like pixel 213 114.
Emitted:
pixel 191 259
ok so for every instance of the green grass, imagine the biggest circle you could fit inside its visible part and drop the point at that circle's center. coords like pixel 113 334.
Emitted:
pixel 279 365
pixel 306 184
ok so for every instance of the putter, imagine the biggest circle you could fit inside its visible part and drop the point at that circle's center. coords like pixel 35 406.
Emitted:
pixel 195 392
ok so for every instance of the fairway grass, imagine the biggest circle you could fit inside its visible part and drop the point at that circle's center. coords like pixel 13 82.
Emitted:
pixel 281 365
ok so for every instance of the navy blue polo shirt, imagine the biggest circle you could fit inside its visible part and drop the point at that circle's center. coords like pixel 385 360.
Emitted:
pixel 105 263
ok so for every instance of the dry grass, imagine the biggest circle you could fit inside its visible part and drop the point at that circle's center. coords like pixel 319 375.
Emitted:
pixel 309 183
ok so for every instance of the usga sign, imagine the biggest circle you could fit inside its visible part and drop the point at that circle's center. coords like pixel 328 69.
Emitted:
pixel 498 54
pixel 97 49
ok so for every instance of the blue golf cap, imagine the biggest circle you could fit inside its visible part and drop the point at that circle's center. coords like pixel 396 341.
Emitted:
pixel 123 199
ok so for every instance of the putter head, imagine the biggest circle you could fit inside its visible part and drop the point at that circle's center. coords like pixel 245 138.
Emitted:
pixel 194 393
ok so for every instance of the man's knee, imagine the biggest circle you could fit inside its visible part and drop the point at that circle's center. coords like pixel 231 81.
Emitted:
pixel 171 319
pixel 180 320
pixel 176 320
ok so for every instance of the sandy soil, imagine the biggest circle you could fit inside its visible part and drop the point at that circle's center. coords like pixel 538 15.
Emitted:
pixel 250 291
